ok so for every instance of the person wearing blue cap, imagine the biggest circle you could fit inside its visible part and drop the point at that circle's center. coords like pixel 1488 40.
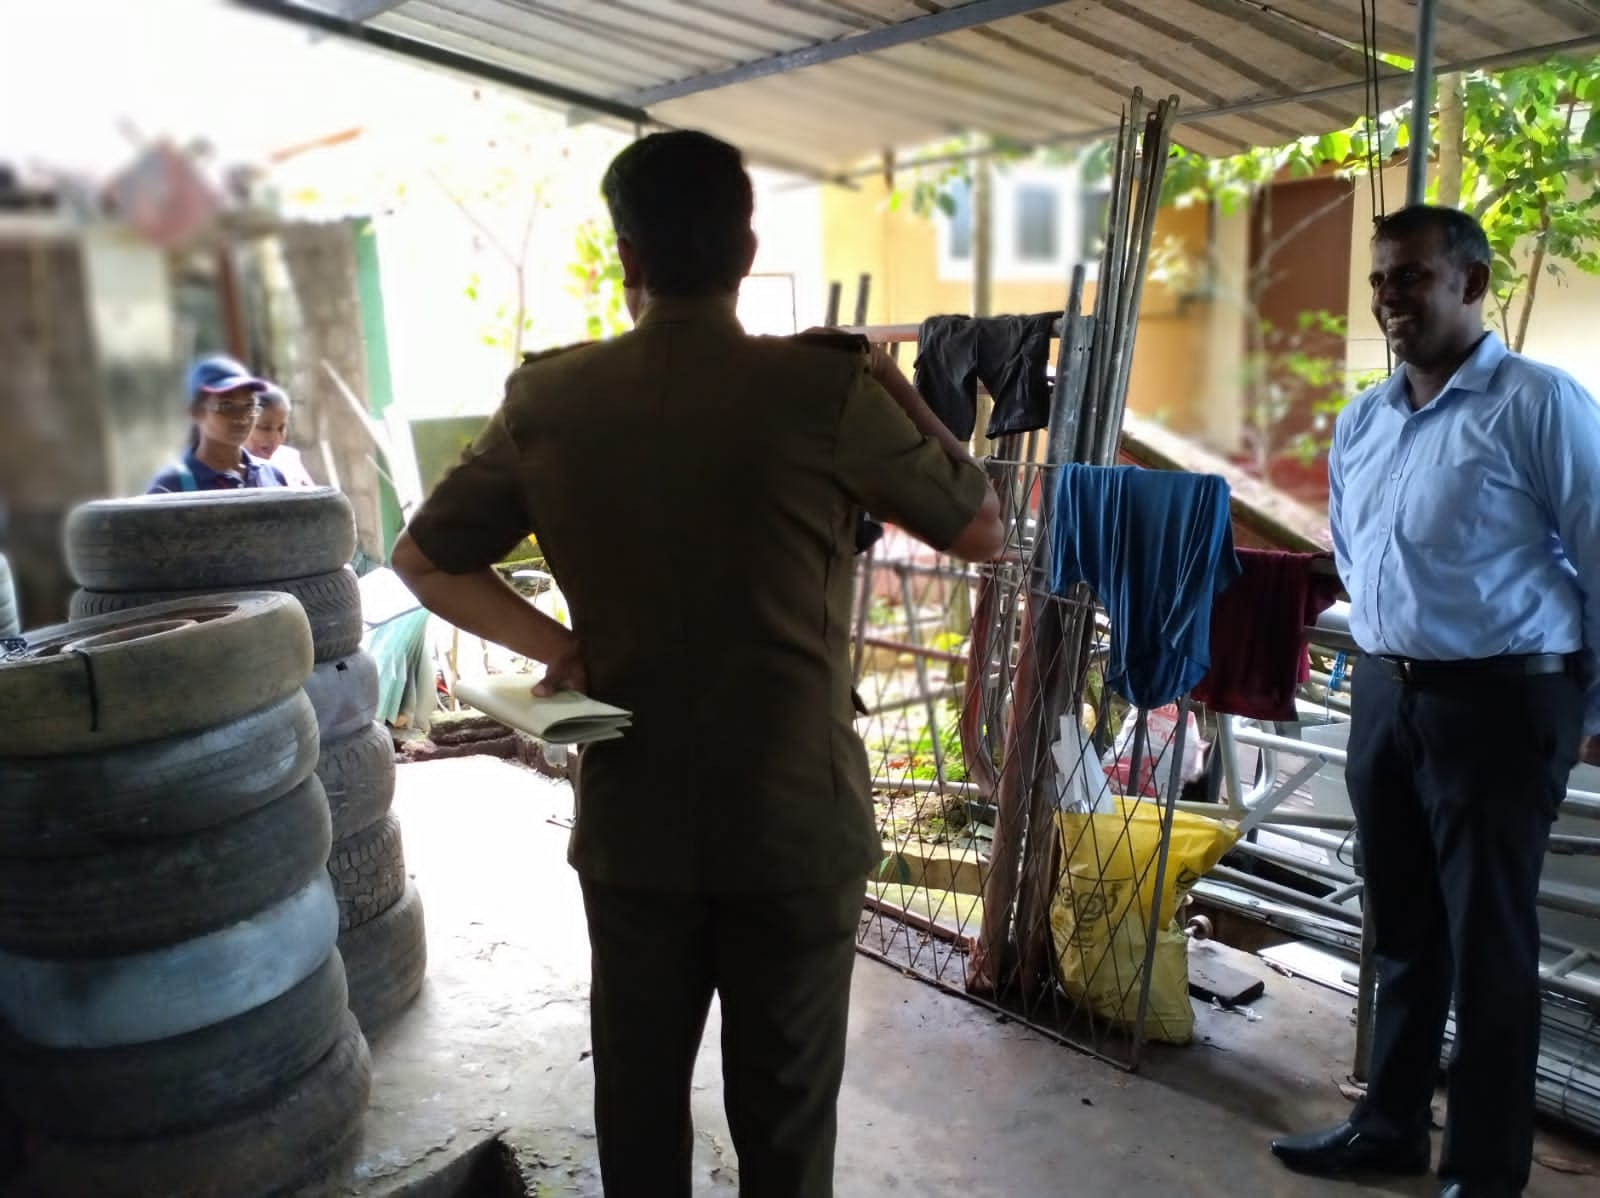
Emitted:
pixel 223 400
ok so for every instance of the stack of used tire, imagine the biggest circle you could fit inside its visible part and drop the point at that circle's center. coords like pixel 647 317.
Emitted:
pixel 173 1014
pixel 126 553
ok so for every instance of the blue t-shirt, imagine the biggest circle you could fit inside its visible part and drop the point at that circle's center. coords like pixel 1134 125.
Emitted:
pixel 1156 547
pixel 189 473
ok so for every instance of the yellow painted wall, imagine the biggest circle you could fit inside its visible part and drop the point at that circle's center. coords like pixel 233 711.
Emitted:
pixel 1172 377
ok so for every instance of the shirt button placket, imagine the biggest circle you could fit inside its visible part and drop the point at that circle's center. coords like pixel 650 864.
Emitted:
pixel 1397 464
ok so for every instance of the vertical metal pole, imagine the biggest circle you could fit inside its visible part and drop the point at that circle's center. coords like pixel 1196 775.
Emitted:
pixel 1421 103
pixel 982 280
pixel 1366 998
pixel 1416 193
pixel 1153 924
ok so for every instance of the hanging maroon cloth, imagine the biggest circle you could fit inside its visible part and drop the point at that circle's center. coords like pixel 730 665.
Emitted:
pixel 1258 643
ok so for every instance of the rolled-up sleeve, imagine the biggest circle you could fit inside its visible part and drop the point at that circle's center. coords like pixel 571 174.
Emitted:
pixel 885 464
pixel 478 512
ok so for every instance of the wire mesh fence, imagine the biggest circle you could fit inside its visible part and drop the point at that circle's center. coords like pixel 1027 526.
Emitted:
pixel 1026 811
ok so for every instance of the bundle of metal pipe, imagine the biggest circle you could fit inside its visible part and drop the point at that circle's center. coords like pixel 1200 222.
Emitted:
pixel 1568 1087
pixel 1013 950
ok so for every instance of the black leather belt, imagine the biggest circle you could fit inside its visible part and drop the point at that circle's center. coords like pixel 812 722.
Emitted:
pixel 1485 669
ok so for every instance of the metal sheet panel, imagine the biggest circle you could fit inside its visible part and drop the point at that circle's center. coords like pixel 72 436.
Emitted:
pixel 1248 72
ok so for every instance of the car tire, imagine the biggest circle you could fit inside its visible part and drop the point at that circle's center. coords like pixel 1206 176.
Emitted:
pixel 174 990
pixel 358 774
pixel 369 873
pixel 209 538
pixel 332 604
pixel 94 685
pixel 385 961
pixel 148 896
pixel 294 1145
pixel 169 1087
pixel 99 802
pixel 345 695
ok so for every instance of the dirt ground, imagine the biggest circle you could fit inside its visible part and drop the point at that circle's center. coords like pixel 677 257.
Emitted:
pixel 940 1098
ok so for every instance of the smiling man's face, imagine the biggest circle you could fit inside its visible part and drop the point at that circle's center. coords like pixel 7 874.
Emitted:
pixel 1426 303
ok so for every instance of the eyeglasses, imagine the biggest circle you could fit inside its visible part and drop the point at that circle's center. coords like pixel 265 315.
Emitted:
pixel 233 408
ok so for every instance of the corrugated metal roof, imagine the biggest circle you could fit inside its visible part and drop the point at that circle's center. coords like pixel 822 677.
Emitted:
pixel 815 85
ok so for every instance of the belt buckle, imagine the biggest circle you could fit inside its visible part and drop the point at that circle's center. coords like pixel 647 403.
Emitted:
pixel 1402 666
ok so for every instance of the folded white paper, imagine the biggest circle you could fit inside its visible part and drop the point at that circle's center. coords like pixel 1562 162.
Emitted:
pixel 565 718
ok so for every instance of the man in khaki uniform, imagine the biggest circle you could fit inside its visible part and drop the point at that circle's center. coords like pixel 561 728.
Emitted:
pixel 696 491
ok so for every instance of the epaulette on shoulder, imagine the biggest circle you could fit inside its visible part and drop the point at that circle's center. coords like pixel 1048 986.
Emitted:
pixel 850 343
pixel 540 355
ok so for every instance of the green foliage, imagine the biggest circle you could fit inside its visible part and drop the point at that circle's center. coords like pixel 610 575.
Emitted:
pixel 1529 159
pixel 1322 377
pixel 1530 172
pixel 1231 183
pixel 908 751
pixel 596 278
pixel 929 189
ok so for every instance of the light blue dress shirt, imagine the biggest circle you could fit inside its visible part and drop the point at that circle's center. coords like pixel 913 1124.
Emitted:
pixel 1471 528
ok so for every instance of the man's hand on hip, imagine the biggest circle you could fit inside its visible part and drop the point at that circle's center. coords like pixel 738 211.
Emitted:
pixel 564 673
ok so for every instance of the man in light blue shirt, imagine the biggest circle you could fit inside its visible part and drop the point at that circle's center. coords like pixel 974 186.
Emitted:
pixel 1462 505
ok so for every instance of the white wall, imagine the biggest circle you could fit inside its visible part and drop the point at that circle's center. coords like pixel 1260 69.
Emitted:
pixel 1564 326
pixel 789 229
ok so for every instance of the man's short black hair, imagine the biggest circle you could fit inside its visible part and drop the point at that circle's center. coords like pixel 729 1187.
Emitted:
pixel 1463 237
pixel 683 200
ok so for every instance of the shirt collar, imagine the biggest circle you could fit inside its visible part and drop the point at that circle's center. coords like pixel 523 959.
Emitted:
pixel 249 465
pixel 1476 374
pixel 689 309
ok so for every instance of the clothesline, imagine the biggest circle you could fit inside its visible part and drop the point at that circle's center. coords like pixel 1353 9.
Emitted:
pixel 887 334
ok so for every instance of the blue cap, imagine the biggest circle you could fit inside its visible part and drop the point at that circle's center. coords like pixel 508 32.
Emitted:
pixel 215 374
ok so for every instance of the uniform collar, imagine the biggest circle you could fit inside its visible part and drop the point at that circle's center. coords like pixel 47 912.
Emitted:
pixel 249 466
pixel 1476 374
pixel 689 309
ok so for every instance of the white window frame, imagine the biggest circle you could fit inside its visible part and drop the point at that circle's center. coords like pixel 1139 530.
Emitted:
pixel 1066 182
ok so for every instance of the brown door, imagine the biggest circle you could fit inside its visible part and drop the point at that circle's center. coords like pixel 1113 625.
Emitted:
pixel 1299 271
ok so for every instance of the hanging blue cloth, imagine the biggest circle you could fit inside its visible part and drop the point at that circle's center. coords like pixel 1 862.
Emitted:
pixel 1156 547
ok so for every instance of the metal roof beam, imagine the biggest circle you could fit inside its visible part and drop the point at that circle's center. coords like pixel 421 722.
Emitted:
pixel 1421 102
pixel 917 29
pixel 438 56
pixel 361 11
pixel 1389 78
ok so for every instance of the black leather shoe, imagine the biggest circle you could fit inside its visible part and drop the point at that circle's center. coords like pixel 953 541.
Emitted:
pixel 1343 1149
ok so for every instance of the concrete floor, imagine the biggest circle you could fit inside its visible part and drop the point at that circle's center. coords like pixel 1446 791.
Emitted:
pixel 941 1097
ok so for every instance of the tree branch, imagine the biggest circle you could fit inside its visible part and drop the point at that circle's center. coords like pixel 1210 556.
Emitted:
pixel 473 218
pixel 1301 225
pixel 522 281
pixel 1452 133
pixel 1535 268
pixel 1482 208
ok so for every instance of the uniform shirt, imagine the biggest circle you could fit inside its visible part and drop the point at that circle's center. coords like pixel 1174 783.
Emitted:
pixel 1470 529
pixel 255 472
pixel 288 462
pixel 695 492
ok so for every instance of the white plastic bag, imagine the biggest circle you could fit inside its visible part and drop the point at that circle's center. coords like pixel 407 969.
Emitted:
pixel 1151 775
pixel 1081 786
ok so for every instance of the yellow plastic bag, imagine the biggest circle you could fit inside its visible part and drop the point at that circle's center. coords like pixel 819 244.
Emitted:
pixel 1106 894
